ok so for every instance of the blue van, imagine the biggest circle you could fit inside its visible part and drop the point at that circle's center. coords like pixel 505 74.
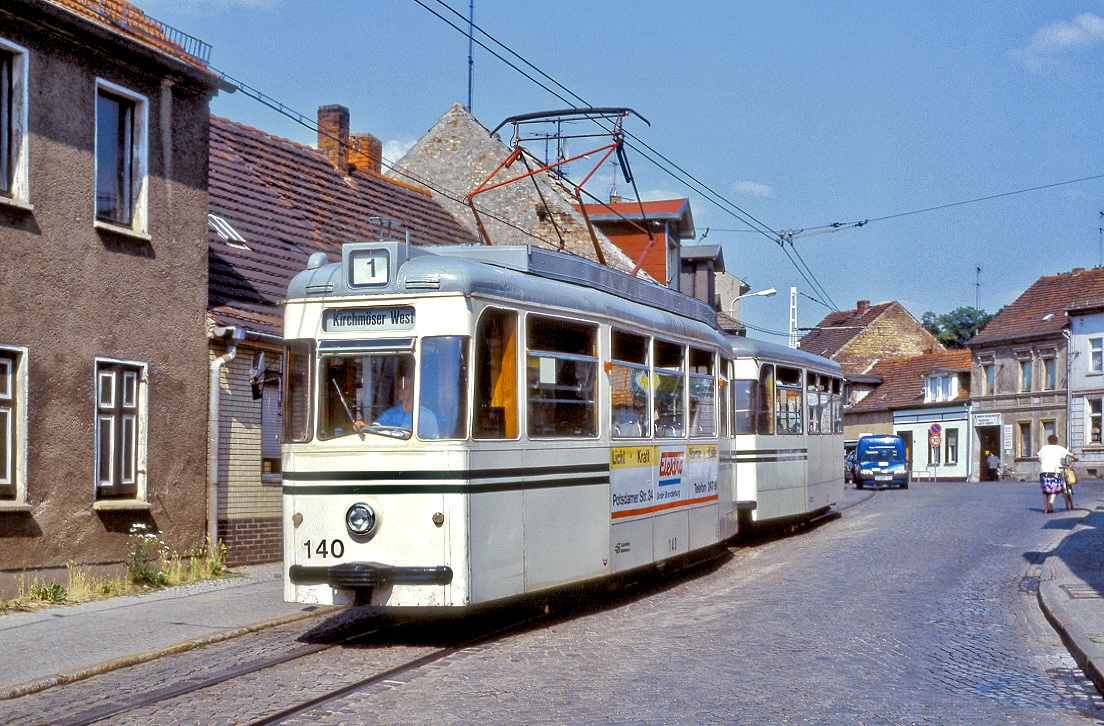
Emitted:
pixel 881 461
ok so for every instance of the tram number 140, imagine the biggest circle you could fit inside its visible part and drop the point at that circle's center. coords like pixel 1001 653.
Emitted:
pixel 333 548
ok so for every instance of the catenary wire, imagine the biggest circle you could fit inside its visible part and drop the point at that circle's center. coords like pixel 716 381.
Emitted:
pixel 671 167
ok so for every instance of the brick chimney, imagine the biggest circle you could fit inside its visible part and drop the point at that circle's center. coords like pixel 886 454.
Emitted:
pixel 333 136
pixel 366 153
pixel 862 306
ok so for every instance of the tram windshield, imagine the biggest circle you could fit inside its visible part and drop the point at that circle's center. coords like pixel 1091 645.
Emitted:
pixel 390 394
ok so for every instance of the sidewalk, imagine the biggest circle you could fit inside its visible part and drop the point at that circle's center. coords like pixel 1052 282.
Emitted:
pixel 59 645
pixel 1071 583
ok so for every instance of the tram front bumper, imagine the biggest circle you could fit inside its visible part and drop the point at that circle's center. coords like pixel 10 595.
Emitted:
pixel 360 575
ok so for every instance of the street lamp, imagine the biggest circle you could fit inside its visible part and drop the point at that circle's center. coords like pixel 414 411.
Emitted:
pixel 762 293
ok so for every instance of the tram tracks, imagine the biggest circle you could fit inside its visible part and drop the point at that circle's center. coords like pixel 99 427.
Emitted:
pixel 412 632
pixel 351 658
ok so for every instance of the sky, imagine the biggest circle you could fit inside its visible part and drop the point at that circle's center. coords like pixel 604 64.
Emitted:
pixel 965 135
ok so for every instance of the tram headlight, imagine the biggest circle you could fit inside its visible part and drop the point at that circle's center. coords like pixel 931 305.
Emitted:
pixel 361 520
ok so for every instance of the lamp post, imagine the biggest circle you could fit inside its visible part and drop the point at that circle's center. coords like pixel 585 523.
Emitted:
pixel 761 293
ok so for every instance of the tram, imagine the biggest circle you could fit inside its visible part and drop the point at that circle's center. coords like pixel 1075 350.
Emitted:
pixel 469 424
pixel 785 454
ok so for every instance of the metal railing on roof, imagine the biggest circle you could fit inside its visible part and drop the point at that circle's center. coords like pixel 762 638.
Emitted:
pixel 125 15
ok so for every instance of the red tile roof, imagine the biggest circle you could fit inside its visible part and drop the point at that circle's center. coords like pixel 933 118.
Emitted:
pixel 903 380
pixel 839 328
pixel 287 201
pixel 126 19
pixel 1040 310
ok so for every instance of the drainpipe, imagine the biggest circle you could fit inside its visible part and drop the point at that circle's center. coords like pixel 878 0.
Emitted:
pixel 970 433
pixel 1067 334
pixel 233 335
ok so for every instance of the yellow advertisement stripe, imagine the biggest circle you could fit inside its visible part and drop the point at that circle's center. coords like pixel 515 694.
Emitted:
pixel 631 457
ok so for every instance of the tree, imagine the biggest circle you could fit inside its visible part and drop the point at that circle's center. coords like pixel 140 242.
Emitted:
pixel 953 329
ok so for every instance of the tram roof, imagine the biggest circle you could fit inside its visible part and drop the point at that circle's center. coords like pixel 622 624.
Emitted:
pixel 751 348
pixel 595 288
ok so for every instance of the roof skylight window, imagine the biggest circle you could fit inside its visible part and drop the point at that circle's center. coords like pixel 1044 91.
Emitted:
pixel 226 231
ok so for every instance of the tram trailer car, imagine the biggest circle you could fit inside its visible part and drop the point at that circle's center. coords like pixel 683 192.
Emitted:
pixel 787 433
pixel 469 424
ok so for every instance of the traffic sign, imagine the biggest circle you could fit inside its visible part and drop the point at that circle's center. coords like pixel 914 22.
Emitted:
pixel 935 429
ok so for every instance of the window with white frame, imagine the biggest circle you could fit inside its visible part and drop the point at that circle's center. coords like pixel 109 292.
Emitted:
pixel 120 429
pixel 1094 408
pixel 13 123
pixel 940 388
pixel 1096 355
pixel 951 447
pixel 121 157
pixel 12 417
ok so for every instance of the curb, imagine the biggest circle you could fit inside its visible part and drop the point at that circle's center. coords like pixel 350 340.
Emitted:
pixel 1088 654
pixel 79 674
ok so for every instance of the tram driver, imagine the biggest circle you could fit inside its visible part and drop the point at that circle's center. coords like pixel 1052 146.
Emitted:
pixel 401 415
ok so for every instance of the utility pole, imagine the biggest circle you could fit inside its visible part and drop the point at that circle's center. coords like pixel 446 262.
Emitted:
pixel 471 49
pixel 793 317
pixel 977 289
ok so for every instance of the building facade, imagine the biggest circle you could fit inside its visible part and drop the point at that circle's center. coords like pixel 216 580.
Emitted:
pixel 925 400
pixel 1021 370
pixel 103 368
pixel 1086 377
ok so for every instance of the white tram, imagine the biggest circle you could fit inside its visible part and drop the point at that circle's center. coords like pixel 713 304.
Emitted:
pixel 468 424
pixel 563 425
pixel 785 454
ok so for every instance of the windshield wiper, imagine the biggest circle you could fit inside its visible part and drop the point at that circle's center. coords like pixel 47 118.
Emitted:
pixel 348 411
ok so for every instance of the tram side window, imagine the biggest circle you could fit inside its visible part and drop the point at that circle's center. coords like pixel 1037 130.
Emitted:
pixel 837 406
pixel 496 400
pixel 561 370
pixel 297 394
pixel 670 395
pixel 723 407
pixel 629 389
pixel 764 410
pixel 745 394
pixel 703 411
pixel 444 388
pixel 819 400
pixel 788 414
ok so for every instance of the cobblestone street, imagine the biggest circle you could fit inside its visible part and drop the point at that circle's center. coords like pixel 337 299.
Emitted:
pixel 915 607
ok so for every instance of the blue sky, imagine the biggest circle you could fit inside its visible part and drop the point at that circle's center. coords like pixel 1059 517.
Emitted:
pixel 801 114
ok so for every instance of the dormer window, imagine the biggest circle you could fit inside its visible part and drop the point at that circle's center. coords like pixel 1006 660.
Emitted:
pixel 940 387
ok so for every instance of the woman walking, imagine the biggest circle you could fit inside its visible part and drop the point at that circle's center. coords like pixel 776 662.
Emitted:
pixel 1051 458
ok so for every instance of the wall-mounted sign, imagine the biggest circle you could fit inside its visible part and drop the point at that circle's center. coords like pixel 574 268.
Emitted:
pixel 987 419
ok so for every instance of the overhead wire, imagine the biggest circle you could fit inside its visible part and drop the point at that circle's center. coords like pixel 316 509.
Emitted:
pixel 313 126
pixel 836 226
pixel 686 177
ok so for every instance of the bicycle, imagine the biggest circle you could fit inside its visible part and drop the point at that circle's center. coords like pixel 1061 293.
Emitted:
pixel 1068 480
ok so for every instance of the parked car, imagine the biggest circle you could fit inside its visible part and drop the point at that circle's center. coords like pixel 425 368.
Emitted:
pixel 881 461
pixel 849 466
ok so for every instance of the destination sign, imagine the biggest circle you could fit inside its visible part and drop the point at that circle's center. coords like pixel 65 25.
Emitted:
pixel 367 320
